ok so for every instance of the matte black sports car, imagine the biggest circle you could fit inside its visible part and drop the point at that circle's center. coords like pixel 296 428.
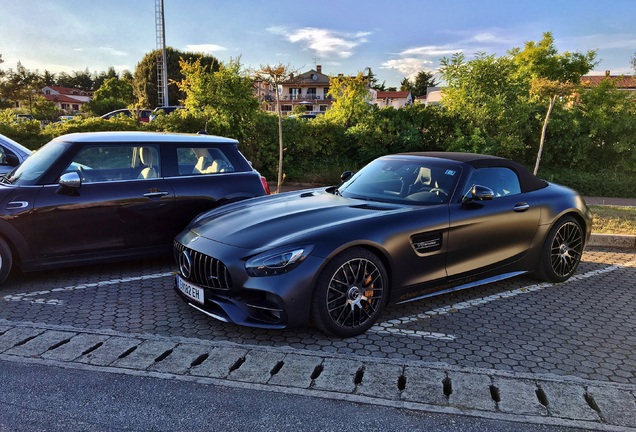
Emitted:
pixel 405 227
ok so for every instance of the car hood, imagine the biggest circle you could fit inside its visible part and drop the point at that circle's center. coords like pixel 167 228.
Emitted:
pixel 284 219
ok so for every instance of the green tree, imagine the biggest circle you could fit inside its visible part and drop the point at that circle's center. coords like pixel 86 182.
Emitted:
pixel 489 98
pixel 552 75
pixel 114 94
pixel 145 75
pixel 351 99
pixel 22 86
pixel 423 80
pixel 82 80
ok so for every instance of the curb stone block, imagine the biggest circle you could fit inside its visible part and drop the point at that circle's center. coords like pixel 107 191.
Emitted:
pixel 179 361
pixel 109 351
pixel 219 362
pixel 145 355
pixel 471 391
pixel 380 380
pixel 75 348
pixel 40 344
pixel 296 371
pixel 424 386
pixel 567 400
pixel 257 367
pixel 338 375
pixel 518 397
pixel 618 407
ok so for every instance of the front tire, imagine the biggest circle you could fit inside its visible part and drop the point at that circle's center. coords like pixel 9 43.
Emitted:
pixel 6 260
pixel 350 293
pixel 562 250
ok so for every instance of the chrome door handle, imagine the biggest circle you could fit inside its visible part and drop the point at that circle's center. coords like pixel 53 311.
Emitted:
pixel 521 207
pixel 155 194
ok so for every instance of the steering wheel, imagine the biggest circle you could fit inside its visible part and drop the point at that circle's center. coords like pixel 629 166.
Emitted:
pixel 439 191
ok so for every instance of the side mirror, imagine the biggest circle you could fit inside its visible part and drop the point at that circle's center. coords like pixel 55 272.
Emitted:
pixel 346 176
pixel 479 193
pixel 70 180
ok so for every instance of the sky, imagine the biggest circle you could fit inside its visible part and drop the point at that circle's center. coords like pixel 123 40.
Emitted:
pixel 396 38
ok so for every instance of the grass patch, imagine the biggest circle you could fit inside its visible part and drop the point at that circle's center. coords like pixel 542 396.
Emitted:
pixel 614 220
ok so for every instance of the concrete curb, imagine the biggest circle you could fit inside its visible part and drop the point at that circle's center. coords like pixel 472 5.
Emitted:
pixel 531 398
pixel 621 241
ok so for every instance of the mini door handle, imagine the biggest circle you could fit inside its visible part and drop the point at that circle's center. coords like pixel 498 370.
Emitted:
pixel 155 194
pixel 521 207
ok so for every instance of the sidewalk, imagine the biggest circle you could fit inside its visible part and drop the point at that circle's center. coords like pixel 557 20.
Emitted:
pixel 624 202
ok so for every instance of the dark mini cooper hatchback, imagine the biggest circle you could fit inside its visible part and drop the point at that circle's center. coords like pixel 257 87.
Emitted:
pixel 94 197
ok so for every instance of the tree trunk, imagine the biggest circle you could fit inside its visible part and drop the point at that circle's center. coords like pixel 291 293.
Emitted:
pixel 279 184
pixel 545 127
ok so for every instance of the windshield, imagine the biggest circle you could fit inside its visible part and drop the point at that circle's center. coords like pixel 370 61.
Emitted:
pixel 408 180
pixel 32 168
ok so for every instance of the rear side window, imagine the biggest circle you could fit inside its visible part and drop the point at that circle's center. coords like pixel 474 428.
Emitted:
pixel 210 160
pixel 502 181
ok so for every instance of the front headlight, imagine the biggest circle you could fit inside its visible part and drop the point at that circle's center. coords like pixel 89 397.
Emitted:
pixel 277 261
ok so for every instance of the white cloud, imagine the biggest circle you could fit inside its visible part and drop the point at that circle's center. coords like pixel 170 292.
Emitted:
pixel 409 66
pixel 205 48
pixel 113 51
pixel 323 42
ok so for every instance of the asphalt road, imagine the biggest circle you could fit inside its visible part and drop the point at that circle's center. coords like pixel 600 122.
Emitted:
pixel 519 350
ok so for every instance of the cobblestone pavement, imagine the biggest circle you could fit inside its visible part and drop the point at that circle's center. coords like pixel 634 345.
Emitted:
pixel 539 341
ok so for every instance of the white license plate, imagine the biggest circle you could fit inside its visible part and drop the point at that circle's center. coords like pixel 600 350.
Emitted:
pixel 191 291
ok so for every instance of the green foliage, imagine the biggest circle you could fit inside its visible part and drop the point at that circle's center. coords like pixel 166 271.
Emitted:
pixel 114 94
pixel 145 76
pixel 350 99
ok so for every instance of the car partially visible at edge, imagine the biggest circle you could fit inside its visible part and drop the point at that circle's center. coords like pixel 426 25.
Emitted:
pixel 12 154
pixel 95 197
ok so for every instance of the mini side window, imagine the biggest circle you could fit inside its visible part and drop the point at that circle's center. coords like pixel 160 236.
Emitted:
pixel 203 160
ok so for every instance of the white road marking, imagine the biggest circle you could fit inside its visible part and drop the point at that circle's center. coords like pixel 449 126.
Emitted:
pixel 36 296
pixel 391 326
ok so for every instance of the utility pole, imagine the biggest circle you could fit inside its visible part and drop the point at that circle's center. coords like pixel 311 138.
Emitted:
pixel 162 62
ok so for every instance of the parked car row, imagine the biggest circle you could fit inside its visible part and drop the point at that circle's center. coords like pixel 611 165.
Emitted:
pixel 405 227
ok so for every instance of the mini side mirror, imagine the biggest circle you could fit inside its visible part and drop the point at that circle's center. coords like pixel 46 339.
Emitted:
pixel 70 180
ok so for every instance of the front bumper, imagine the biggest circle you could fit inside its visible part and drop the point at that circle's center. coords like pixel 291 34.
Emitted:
pixel 266 302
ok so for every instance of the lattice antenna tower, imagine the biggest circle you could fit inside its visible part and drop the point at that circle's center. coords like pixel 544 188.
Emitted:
pixel 162 62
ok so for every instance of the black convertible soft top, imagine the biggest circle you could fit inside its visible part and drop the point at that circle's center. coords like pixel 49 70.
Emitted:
pixel 529 182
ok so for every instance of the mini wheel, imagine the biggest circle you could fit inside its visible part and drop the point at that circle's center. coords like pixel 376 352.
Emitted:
pixel 6 260
pixel 350 293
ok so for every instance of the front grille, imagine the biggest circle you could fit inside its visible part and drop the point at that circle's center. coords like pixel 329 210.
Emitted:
pixel 206 271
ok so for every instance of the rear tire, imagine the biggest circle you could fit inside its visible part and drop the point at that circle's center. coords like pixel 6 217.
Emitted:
pixel 562 250
pixel 6 260
pixel 350 293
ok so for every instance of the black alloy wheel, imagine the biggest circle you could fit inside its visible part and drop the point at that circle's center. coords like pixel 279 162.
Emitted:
pixel 350 293
pixel 562 250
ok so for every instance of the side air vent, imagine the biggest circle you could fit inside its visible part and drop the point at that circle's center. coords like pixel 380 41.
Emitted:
pixel 427 242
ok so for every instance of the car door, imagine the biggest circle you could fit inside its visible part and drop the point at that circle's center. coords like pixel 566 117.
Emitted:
pixel 111 210
pixel 204 176
pixel 490 234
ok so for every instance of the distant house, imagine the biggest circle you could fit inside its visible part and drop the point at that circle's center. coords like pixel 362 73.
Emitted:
pixel 622 82
pixel 308 89
pixel 395 99
pixel 69 100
